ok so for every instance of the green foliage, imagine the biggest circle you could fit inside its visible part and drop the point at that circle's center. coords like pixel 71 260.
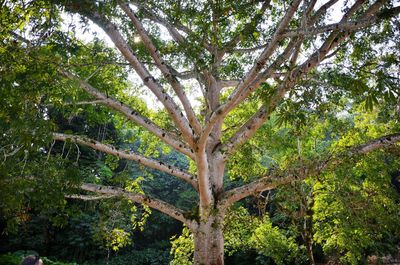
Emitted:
pixel 182 248
pixel 273 242
pixel 148 256
pixel 38 188
pixel 116 239
pixel 238 230
pixel 356 210
pixel 17 257
pixel 248 164
pixel 118 220
pixel 9 259
pixel 51 262
pixel 245 232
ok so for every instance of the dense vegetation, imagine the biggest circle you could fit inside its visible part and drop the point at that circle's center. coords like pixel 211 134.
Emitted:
pixel 273 139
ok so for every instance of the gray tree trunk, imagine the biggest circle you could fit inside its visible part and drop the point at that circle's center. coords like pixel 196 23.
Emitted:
pixel 208 237
pixel 209 240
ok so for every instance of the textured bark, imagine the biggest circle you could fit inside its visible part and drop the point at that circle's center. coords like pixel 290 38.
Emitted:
pixel 208 235
pixel 209 240
pixel 310 254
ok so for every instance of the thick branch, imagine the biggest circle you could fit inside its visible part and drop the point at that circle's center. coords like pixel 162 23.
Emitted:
pixel 381 142
pixel 161 94
pixel 186 75
pixel 141 198
pixel 205 192
pixel 275 180
pixel 237 94
pixel 322 10
pixel 164 68
pixel 256 121
pixel 262 59
pixel 261 77
pixel 129 155
pixel 90 102
pixel 263 184
pixel 333 41
pixel 293 47
pixel 247 130
pixel 132 115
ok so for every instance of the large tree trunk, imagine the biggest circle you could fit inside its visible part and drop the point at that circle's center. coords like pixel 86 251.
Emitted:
pixel 208 237
pixel 209 241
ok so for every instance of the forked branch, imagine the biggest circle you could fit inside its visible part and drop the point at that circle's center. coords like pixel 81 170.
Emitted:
pixel 112 31
pixel 291 78
pixel 235 96
pixel 164 68
pixel 131 114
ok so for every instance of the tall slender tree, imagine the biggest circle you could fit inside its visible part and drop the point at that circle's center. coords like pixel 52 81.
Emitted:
pixel 235 54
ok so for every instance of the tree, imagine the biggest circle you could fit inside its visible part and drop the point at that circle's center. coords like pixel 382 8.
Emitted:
pixel 249 60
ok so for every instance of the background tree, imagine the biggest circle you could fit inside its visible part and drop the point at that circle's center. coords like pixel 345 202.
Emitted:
pixel 248 60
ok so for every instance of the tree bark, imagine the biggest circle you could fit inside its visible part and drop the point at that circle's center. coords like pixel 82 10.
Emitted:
pixel 208 235
pixel 209 240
